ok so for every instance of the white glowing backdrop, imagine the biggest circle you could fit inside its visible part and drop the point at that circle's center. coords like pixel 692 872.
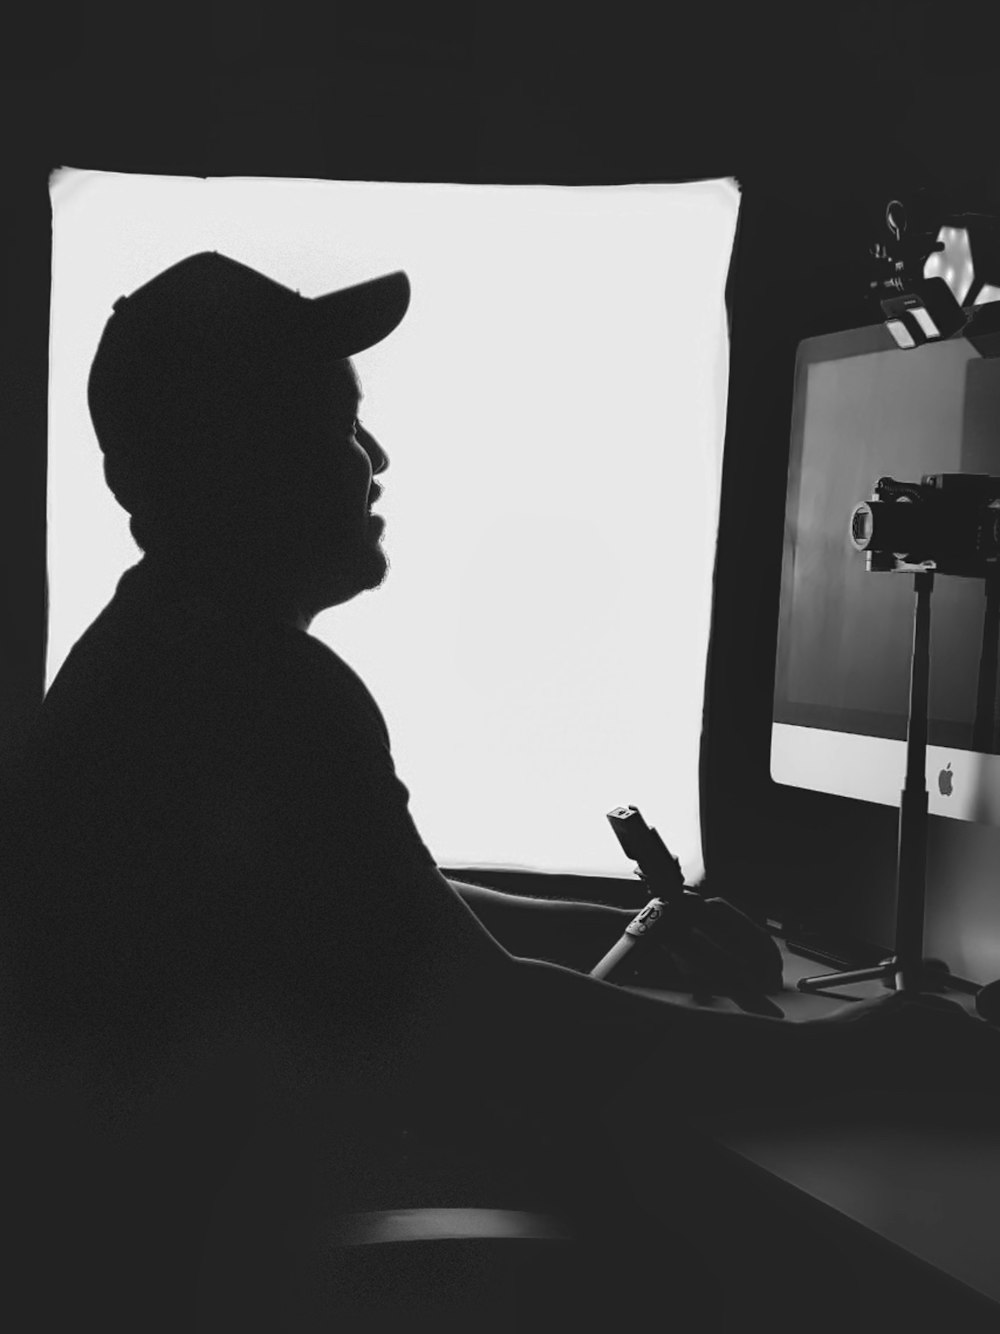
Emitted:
pixel 553 407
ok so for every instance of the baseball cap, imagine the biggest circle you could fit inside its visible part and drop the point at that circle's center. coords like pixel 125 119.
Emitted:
pixel 208 333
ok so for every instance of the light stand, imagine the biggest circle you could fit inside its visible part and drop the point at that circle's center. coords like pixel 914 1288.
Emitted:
pixel 907 970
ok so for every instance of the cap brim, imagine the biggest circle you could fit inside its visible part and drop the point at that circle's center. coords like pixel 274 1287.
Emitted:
pixel 356 318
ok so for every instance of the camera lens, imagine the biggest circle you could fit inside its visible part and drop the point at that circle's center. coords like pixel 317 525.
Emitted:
pixel 862 526
pixel 988 535
pixel 899 527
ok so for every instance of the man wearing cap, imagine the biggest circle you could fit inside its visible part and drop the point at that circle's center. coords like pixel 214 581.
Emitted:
pixel 215 864
pixel 220 898
pixel 227 409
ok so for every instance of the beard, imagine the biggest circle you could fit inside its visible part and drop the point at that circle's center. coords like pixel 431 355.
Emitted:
pixel 372 563
pixel 354 566
pixel 259 560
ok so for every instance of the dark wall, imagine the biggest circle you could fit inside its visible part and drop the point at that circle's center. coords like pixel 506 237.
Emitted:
pixel 821 111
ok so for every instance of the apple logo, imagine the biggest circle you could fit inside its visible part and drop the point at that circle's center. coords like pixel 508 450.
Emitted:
pixel 944 780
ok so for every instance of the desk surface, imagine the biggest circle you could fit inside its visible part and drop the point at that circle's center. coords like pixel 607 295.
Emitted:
pixel 925 1177
pixel 799 1005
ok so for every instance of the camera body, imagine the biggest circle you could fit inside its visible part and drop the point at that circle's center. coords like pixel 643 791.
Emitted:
pixel 657 865
pixel 946 522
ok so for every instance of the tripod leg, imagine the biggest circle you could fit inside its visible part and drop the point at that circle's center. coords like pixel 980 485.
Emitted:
pixel 876 974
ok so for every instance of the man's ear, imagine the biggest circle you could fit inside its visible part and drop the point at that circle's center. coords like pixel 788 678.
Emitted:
pixel 205 462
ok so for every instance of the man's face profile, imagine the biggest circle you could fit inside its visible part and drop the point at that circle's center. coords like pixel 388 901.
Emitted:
pixel 324 534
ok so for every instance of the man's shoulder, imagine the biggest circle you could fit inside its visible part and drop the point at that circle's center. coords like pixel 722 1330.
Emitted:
pixel 280 682
pixel 310 678
pixel 323 667
pixel 141 661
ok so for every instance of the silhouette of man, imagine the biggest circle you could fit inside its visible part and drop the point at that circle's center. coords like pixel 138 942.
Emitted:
pixel 213 862
pixel 226 945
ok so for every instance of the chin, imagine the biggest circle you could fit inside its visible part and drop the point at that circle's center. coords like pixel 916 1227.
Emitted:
pixel 373 567
pixel 368 571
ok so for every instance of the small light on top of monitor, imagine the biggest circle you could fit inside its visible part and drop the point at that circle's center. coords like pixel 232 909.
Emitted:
pixel 923 318
pixel 900 332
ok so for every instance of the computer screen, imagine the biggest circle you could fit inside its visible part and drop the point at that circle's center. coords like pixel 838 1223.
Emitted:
pixel 553 408
pixel 862 409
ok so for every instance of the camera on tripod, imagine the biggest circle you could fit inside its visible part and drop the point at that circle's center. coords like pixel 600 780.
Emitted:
pixel 946 522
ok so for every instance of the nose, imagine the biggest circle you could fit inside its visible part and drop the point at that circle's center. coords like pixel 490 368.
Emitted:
pixel 378 456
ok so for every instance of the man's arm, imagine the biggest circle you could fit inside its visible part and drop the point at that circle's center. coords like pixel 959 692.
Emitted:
pixel 536 1036
pixel 544 1037
pixel 573 934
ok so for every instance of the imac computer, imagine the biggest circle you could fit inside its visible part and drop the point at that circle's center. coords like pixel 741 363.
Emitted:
pixel 863 409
